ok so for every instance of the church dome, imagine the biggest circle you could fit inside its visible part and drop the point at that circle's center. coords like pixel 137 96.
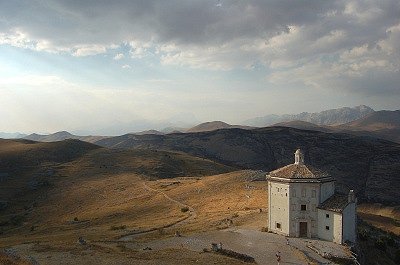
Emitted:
pixel 299 171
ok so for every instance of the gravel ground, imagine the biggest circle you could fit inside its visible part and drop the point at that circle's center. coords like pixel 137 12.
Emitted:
pixel 261 246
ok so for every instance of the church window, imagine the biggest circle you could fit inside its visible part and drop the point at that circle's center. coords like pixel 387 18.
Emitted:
pixel 278 225
pixel 327 215
pixel 327 227
pixel 314 193
pixel 303 207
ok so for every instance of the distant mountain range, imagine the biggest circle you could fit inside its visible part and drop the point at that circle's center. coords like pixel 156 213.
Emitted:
pixel 5 135
pixel 326 117
pixel 361 120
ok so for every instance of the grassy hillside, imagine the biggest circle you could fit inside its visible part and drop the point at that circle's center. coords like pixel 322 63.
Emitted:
pixel 370 166
pixel 31 172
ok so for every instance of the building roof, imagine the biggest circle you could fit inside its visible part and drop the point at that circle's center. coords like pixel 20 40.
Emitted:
pixel 298 171
pixel 335 203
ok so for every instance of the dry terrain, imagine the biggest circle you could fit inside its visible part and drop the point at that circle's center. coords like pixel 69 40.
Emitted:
pixel 122 201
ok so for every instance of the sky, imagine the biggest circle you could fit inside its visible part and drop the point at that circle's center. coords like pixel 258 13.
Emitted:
pixel 112 67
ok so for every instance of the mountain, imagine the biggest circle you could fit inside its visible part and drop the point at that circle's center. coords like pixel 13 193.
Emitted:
pixel 5 135
pixel 61 136
pixel 149 132
pixel 303 125
pixel 382 124
pixel 368 165
pixel 215 125
pixel 327 117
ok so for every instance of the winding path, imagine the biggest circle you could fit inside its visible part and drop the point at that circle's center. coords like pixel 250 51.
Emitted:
pixel 178 223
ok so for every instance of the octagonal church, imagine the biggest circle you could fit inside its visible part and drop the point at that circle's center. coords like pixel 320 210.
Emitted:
pixel 303 203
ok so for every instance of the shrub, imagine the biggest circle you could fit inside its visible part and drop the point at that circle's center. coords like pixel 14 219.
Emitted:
pixel 380 244
pixel 363 234
pixel 76 219
pixel 121 227
pixel 264 229
pixel 184 209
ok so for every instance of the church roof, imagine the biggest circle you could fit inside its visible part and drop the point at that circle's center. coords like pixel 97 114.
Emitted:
pixel 298 171
pixel 335 203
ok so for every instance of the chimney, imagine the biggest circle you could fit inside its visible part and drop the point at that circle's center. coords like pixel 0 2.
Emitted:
pixel 351 196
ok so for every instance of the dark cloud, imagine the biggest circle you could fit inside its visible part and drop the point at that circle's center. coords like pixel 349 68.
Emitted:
pixel 293 35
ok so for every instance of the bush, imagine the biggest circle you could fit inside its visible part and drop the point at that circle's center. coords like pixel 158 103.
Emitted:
pixel 76 219
pixel 121 227
pixel 184 209
pixel 363 234
pixel 264 229
pixel 380 244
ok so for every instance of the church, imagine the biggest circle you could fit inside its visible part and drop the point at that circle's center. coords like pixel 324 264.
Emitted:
pixel 303 203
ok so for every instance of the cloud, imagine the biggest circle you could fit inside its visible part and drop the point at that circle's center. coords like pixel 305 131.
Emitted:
pixel 306 43
pixel 118 56
pixel 126 66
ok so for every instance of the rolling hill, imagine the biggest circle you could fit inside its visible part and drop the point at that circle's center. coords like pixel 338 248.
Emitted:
pixel 303 125
pixel 215 125
pixel 61 136
pixel 53 193
pixel 370 166
pixel 382 124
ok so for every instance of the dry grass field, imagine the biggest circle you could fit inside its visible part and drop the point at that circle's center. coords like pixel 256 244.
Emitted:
pixel 104 195
pixel 113 198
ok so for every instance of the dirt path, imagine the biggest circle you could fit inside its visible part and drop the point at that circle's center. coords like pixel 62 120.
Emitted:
pixel 176 224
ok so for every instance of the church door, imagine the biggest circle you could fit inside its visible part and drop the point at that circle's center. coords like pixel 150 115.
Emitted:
pixel 303 229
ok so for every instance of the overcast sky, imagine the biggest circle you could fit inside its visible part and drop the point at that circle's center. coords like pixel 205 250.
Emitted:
pixel 103 66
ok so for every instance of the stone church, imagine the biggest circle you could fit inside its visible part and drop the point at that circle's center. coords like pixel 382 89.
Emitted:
pixel 303 203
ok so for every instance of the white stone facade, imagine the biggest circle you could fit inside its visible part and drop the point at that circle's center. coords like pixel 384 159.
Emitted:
pixel 303 203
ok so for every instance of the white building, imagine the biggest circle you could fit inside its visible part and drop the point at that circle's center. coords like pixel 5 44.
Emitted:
pixel 303 203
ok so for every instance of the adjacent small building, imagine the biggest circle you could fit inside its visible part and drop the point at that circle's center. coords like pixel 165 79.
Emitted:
pixel 303 203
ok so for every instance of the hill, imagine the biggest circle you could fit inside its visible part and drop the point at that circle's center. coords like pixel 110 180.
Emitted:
pixel 215 125
pixel 149 132
pixel 381 124
pixel 28 167
pixel 77 189
pixel 327 117
pixel 370 166
pixel 303 125
pixel 61 136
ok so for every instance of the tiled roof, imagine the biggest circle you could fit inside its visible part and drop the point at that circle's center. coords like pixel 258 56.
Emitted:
pixel 298 171
pixel 335 203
